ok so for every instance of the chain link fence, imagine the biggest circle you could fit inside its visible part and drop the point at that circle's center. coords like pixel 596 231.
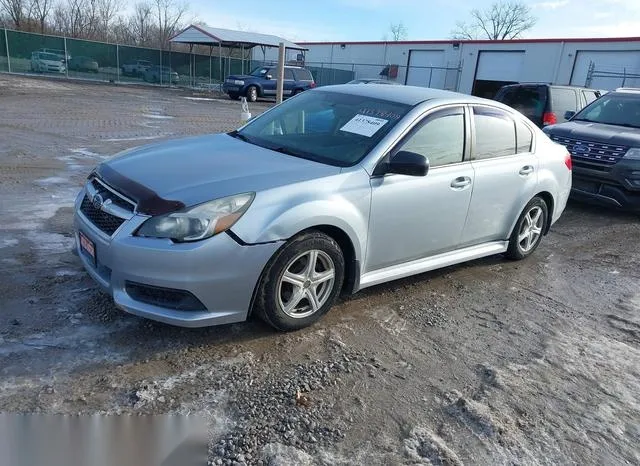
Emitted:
pixel 611 77
pixel 55 56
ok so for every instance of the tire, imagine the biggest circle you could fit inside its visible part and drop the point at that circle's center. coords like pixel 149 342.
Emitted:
pixel 296 92
pixel 528 232
pixel 252 94
pixel 300 300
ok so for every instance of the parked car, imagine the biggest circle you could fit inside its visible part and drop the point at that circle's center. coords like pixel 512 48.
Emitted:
pixel 372 81
pixel 83 64
pixel 281 216
pixel 42 62
pixel 604 141
pixel 546 104
pixel 161 74
pixel 261 82
pixel 60 53
pixel 135 68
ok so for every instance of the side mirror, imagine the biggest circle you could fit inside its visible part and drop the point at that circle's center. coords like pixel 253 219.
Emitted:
pixel 568 115
pixel 408 163
pixel 269 76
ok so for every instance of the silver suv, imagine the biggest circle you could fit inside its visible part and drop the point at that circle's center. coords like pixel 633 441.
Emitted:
pixel 335 190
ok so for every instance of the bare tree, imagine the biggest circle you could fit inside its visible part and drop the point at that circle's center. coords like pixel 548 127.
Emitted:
pixel 41 9
pixel 169 14
pixel 107 11
pixel 398 31
pixel 502 20
pixel 17 11
pixel 141 24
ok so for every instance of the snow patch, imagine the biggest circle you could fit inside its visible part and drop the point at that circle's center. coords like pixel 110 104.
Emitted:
pixel 137 138
pixel 8 243
pixel 157 117
pixel 203 99
pixel 50 242
pixel 86 152
pixel 52 180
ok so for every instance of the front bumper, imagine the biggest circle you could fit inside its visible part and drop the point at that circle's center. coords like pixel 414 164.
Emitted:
pixel 219 272
pixel 229 88
pixel 618 187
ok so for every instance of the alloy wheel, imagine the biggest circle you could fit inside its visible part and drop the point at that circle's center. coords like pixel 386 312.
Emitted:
pixel 306 284
pixel 531 229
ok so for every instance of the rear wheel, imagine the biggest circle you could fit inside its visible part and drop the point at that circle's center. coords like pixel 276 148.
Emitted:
pixel 527 234
pixel 252 93
pixel 301 282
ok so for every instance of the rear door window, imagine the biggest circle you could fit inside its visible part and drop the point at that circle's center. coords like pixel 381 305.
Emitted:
pixel 288 74
pixel 495 133
pixel 562 101
pixel 304 75
pixel 528 100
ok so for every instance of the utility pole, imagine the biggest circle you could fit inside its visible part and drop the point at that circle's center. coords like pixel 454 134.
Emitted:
pixel 280 83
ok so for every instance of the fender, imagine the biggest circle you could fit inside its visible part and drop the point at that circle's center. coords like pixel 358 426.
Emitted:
pixel 276 216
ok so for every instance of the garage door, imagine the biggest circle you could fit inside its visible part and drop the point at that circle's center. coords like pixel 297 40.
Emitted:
pixel 610 68
pixel 500 66
pixel 422 69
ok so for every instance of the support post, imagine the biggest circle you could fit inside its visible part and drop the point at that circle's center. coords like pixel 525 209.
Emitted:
pixel 160 73
pixel 66 62
pixel 117 63
pixel 210 54
pixel 6 43
pixel 220 78
pixel 280 83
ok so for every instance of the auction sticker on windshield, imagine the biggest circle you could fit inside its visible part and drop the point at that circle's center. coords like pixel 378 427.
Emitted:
pixel 364 125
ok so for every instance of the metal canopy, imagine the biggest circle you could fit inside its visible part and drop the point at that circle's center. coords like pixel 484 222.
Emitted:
pixel 205 35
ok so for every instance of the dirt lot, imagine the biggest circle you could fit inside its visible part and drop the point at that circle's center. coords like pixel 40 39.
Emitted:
pixel 492 362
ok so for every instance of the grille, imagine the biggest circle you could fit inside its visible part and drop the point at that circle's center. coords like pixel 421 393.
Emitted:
pixel 104 221
pixel 596 154
pixel 179 300
pixel 116 200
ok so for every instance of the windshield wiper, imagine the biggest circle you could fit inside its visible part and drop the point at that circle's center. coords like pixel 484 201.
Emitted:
pixel 583 119
pixel 242 137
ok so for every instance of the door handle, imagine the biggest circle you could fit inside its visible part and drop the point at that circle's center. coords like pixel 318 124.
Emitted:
pixel 461 182
pixel 526 170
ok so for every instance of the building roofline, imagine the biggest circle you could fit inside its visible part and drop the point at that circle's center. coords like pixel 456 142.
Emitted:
pixel 482 41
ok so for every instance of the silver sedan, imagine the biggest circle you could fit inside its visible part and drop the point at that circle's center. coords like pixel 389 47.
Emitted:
pixel 335 190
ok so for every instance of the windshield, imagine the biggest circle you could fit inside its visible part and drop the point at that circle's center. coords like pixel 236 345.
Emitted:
pixel 613 109
pixel 259 71
pixel 49 56
pixel 333 128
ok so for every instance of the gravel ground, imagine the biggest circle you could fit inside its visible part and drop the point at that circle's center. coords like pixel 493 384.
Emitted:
pixel 491 362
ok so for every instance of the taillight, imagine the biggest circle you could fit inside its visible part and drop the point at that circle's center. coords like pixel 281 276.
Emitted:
pixel 313 84
pixel 549 118
pixel 567 160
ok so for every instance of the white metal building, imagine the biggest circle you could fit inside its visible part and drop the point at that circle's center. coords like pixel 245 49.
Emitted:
pixel 481 67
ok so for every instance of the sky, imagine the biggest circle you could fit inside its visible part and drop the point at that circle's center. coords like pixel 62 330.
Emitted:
pixel 366 20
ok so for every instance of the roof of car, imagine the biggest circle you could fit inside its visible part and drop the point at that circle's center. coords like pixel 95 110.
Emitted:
pixel 549 85
pixel 409 95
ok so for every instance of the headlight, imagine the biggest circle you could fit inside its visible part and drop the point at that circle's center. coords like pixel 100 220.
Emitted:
pixel 238 82
pixel 199 222
pixel 632 154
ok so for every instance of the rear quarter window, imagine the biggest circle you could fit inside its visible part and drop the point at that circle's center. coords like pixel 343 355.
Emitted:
pixel 303 75
pixel 563 100
pixel 528 100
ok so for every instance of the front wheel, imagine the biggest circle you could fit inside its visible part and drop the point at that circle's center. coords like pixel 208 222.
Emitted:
pixel 252 93
pixel 301 282
pixel 527 234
